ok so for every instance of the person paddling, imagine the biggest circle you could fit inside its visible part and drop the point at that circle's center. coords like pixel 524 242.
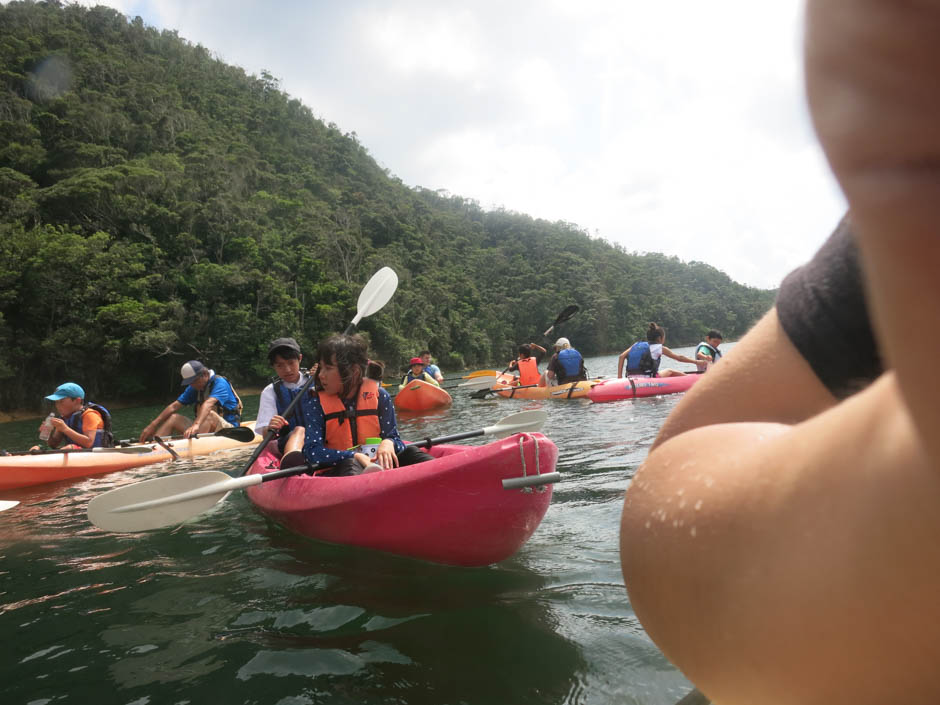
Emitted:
pixel 350 410
pixel 430 367
pixel 566 365
pixel 417 372
pixel 216 402
pixel 285 357
pixel 527 364
pixel 78 424
pixel 708 351
pixel 643 357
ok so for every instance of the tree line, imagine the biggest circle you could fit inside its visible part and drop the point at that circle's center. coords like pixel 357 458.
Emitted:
pixel 157 205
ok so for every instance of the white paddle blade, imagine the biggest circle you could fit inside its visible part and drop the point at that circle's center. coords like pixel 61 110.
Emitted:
pixel 7 504
pixel 480 382
pixel 162 501
pixel 517 423
pixel 376 293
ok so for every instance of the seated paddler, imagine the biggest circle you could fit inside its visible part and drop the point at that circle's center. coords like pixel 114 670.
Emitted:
pixel 350 419
pixel 418 372
pixel 285 357
pixel 77 423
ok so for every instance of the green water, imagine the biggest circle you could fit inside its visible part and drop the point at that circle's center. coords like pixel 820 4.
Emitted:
pixel 230 608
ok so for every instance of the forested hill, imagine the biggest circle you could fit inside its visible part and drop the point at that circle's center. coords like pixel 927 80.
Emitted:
pixel 158 205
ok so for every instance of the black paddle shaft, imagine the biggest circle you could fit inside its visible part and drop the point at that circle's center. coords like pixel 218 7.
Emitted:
pixel 269 434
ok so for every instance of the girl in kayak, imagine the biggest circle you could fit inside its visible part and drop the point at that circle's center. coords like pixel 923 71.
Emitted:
pixel 643 357
pixel 349 409
pixel 527 364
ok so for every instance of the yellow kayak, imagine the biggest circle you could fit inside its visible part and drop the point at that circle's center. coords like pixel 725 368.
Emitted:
pixel 506 386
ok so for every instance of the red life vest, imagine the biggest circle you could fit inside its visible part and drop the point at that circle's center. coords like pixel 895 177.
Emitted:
pixel 528 370
pixel 363 422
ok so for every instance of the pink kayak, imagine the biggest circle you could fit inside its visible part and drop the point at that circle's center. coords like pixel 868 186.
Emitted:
pixel 635 387
pixel 470 506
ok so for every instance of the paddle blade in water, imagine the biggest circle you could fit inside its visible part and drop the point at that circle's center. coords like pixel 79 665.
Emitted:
pixel 160 502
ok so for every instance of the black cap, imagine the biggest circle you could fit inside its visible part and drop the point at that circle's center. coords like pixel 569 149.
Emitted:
pixel 284 343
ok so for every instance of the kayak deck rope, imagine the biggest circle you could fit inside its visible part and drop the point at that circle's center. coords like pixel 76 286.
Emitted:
pixel 538 472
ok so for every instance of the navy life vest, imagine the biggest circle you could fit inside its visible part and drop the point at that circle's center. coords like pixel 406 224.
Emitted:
pixel 104 437
pixel 282 399
pixel 640 361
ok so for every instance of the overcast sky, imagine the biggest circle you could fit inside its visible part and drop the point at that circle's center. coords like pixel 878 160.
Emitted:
pixel 676 127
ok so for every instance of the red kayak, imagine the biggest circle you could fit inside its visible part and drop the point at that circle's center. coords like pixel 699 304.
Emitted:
pixel 636 387
pixel 470 506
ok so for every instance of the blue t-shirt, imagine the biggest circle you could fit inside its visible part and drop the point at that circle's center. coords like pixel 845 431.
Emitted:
pixel 219 388
pixel 432 369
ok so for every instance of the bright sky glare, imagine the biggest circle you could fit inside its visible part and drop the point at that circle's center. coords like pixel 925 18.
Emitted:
pixel 676 127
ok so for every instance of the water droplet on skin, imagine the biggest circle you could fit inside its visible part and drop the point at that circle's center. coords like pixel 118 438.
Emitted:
pixel 709 482
pixel 698 505
pixel 692 532
pixel 681 503
pixel 648 523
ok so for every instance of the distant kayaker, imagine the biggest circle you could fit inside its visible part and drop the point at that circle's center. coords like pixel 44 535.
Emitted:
pixel 527 364
pixel 217 405
pixel 643 357
pixel 418 372
pixel 78 424
pixel 349 410
pixel 708 351
pixel 430 367
pixel 566 365
pixel 285 357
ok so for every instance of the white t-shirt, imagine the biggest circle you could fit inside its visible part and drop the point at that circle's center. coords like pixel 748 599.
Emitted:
pixel 267 405
pixel 656 352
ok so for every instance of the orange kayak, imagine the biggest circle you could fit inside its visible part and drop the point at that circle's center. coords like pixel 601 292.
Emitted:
pixel 51 466
pixel 421 396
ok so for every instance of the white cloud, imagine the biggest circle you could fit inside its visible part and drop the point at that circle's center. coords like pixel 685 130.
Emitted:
pixel 676 127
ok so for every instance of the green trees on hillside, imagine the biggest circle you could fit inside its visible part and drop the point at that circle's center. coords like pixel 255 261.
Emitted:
pixel 157 205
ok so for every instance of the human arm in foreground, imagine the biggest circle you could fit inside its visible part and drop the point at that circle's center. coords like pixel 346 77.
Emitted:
pixel 812 572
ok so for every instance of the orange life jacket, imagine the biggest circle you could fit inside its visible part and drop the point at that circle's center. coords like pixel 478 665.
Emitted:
pixel 528 370
pixel 363 422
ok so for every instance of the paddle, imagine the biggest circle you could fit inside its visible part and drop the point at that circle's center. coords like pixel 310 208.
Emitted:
pixel 236 433
pixel 8 504
pixel 374 295
pixel 562 317
pixel 483 393
pixel 480 373
pixel 170 500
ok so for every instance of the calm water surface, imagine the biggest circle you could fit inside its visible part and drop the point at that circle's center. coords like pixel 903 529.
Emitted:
pixel 230 608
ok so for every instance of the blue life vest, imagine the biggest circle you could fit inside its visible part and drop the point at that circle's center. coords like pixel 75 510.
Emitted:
pixel 640 361
pixel 570 361
pixel 104 437
pixel 282 399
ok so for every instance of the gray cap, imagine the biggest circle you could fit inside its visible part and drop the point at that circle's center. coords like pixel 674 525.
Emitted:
pixel 283 343
pixel 190 371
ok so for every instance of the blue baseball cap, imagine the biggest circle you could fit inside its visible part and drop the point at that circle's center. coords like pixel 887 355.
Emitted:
pixel 69 390
pixel 190 371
